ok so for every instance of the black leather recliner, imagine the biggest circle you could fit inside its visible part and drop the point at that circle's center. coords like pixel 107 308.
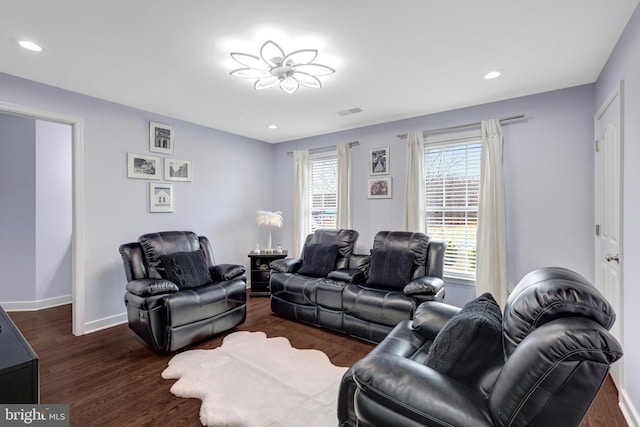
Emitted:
pixel 176 295
pixel 554 355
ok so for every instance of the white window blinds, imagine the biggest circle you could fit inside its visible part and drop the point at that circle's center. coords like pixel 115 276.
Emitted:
pixel 323 192
pixel 452 184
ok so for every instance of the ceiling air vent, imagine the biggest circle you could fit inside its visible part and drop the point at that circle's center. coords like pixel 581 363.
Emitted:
pixel 350 111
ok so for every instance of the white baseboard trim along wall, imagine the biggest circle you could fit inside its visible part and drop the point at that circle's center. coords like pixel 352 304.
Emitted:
pixel 36 305
pixel 628 410
pixel 93 326
pixel 107 322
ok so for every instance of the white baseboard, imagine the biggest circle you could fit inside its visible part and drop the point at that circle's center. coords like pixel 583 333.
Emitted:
pixel 93 326
pixel 628 410
pixel 107 322
pixel 36 305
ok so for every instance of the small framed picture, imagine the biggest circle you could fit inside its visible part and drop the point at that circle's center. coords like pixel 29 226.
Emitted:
pixel 379 188
pixel 177 169
pixel 160 138
pixel 160 197
pixel 142 166
pixel 379 161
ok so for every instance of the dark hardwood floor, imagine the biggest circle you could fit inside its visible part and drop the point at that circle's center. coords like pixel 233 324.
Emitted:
pixel 110 378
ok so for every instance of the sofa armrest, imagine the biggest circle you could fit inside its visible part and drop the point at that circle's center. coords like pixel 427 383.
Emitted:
pixel 222 272
pixel 286 265
pixel 425 288
pixel 424 285
pixel 399 385
pixel 151 287
pixel 349 275
pixel 431 316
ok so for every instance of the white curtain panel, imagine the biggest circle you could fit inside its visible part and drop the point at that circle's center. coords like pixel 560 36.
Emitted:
pixel 491 245
pixel 300 199
pixel 414 198
pixel 344 186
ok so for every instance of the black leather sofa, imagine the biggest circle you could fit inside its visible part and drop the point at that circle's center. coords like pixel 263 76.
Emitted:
pixel 364 296
pixel 539 364
pixel 176 295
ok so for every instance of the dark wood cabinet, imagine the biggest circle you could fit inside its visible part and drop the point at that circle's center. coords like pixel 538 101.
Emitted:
pixel 260 272
pixel 19 376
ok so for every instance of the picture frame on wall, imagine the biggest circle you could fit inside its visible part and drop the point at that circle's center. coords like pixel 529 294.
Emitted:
pixel 142 166
pixel 379 188
pixel 160 138
pixel 379 161
pixel 177 169
pixel 160 197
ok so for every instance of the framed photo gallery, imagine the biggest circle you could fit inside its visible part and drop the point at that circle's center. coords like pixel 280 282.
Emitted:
pixel 379 186
pixel 154 167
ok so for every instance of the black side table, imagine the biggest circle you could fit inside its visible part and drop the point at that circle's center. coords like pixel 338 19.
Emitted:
pixel 260 272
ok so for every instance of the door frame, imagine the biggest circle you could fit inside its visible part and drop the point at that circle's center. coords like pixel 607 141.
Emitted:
pixel 615 96
pixel 77 241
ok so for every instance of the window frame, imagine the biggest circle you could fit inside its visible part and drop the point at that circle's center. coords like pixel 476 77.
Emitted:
pixel 450 140
pixel 323 156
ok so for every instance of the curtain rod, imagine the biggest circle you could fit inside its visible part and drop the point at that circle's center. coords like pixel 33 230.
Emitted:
pixel 425 132
pixel 319 149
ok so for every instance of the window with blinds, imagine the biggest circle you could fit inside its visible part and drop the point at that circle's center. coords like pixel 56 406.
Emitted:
pixel 323 192
pixel 452 184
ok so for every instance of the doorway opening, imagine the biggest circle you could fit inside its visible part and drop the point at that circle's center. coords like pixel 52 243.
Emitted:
pixel 77 223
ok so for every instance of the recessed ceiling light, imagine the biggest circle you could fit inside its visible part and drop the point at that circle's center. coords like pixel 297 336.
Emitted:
pixel 273 126
pixel 492 75
pixel 30 45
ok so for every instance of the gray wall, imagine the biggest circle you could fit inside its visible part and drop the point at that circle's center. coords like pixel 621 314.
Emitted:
pixel 549 189
pixel 53 169
pixel 17 208
pixel 548 166
pixel 232 180
pixel 624 64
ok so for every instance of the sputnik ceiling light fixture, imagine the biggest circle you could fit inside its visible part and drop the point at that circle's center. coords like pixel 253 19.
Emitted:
pixel 273 68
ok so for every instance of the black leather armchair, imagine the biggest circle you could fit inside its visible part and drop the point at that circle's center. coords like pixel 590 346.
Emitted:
pixel 554 353
pixel 176 295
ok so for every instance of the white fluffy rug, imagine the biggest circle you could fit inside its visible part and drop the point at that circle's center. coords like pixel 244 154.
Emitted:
pixel 255 381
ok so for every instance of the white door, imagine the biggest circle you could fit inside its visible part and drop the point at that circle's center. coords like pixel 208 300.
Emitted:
pixel 608 204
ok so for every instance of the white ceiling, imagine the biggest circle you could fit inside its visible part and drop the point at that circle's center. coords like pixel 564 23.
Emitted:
pixel 393 59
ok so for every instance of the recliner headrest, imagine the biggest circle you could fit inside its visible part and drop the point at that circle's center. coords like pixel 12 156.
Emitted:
pixel 548 294
pixel 418 243
pixel 165 243
pixel 345 239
